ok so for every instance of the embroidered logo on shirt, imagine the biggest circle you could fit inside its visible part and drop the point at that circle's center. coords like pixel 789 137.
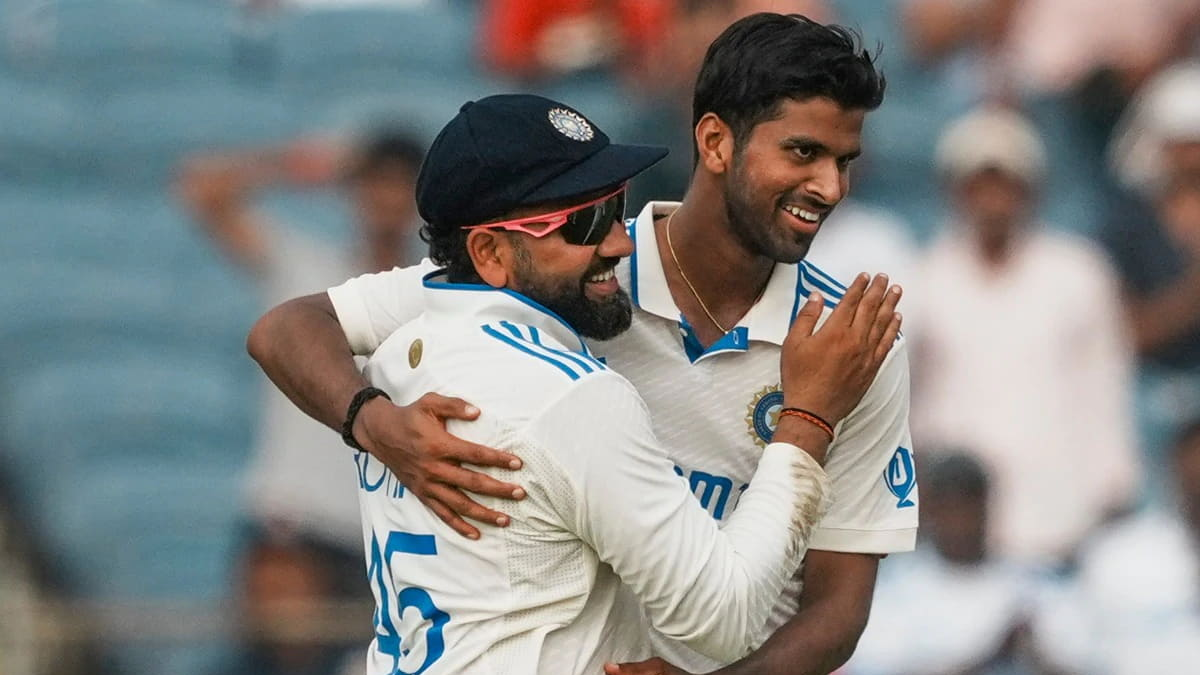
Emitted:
pixel 901 477
pixel 762 415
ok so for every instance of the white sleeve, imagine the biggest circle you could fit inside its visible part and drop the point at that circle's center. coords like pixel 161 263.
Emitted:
pixel 870 466
pixel 1104 363
pixel 709 588
pixel 370 307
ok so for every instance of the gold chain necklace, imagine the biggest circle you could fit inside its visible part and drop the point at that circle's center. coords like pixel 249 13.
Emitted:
pixel 691 288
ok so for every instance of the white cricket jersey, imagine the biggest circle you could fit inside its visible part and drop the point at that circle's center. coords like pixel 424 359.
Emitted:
pixel 606 513
pixel 714 410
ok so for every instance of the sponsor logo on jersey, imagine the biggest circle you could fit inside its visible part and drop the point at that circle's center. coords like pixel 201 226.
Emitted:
pixel 572 125
pixel 901 477
pixel 762 415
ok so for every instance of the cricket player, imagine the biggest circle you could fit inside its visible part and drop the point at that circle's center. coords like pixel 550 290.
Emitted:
pixel 529 270
pixel 715 282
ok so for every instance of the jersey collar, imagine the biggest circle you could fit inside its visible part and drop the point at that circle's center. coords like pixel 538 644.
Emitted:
pixel 768 320
pixel 484 304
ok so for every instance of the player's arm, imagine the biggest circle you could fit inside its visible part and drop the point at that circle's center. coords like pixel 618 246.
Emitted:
pixel 217 189
pixel 707 587
pixel 867 519
pixel 874 513
pixel 1164 316
pixel 307 349
pixel 696 575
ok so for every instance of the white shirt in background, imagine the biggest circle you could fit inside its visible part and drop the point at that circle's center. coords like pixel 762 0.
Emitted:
pixel 932 616
pixel 1134 606
pixel 1027 367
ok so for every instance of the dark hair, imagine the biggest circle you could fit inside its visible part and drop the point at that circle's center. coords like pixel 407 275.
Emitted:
pixel 386 148
pixel 764 58
pixel 448 248
pixel 956 473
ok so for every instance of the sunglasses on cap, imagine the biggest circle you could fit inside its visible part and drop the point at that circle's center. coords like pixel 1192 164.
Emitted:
pixel 582 225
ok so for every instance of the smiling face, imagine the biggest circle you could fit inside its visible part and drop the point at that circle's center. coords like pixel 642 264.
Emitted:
pixel 576 282
pixel 789 173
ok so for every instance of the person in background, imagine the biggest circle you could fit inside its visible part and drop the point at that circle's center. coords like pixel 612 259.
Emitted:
pixel 283 586
pixel 299 485
pixel 1021 353
pixel 953 607
pixel 1154 239
pixel 1134 606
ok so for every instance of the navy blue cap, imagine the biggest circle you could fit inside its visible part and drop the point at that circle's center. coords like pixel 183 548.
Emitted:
pixel 512 150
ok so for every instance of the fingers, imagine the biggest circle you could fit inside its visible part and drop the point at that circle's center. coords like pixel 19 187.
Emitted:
pixel 889 338
pixel 451 518
pixel 843 314
pixel 806 319
pixel 864 315
pixel 448 407
pixel 479 455
pixel 883 317
pixel 452 506
pixel 473 481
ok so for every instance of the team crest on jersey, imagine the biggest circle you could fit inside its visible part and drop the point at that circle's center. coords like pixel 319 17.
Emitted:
pixel 570 124
pixel 901 477
pixel 762 416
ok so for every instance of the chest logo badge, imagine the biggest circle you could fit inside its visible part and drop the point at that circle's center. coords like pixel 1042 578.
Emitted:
pixel 762 415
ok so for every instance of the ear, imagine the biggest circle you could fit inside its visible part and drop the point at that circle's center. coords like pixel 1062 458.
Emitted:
pixel 714 141
pixel 489 251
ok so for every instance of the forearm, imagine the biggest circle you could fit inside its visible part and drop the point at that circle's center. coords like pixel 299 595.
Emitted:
pixel 301 348
pixel 834 607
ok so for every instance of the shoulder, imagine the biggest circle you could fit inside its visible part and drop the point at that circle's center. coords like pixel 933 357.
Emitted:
pixel 811 278
pixel 535 354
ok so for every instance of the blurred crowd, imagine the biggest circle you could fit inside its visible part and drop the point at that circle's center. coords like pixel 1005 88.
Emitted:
pixel 1032 179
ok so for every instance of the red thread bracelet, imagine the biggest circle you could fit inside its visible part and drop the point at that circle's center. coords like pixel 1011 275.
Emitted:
pixel 811 417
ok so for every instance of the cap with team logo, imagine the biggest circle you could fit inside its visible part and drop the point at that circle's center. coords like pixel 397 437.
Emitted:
pixel 512 150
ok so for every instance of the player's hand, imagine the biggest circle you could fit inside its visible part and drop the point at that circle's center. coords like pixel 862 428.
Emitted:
pixel 413 442
pixel 828 371
pixel 654 666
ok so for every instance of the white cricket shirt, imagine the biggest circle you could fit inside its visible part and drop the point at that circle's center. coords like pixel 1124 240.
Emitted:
pixel 606 513
pixel 714 410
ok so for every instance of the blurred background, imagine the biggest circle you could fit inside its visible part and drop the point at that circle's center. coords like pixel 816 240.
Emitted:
pixel 171 168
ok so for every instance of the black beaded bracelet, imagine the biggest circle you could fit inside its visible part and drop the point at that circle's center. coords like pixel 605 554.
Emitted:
pixel 356 404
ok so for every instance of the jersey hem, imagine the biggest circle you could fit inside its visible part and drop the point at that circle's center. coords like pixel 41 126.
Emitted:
pixel 864 541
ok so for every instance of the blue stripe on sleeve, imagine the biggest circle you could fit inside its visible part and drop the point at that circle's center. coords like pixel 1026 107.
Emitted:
pixel 825 276
pixel 522 348
pixel 577 359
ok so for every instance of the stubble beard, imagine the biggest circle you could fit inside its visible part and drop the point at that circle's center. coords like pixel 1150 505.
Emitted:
pixel 602 319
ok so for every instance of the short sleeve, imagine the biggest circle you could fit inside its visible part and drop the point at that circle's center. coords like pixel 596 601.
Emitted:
pixel 871 467
pixel 370 307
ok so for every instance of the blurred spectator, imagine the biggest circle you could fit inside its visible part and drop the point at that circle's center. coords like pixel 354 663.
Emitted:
pixel 283 582
pixel 1021 354
pixel 1135 606
pixel 298 479
pixel 950 608
pixel 536 39
pixel 1156 244
pixel 1043 47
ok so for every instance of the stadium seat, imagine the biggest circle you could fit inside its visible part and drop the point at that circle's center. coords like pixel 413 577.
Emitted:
pixel 143 133
pixel 102 47
pixel 432 39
